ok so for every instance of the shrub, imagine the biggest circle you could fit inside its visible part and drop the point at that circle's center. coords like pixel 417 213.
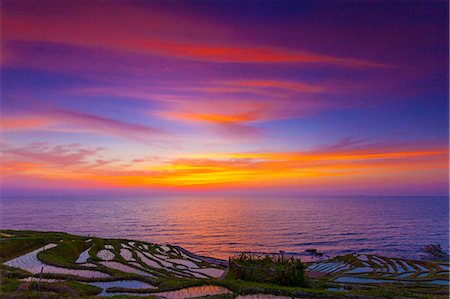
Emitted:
pixel 275 268
pixel 435 252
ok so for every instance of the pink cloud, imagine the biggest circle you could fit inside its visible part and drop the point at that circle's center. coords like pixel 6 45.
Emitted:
pixel 9 123
pixel 106 125
pixel 65 155
pixel 75 121
pixel 140 31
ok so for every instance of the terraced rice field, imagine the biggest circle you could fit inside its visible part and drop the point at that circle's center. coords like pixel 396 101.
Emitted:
pixel 127 255
pixel 369 269
pixel 125 284
pixel 30 262
pixel 123 267
pixel 83 256
pixel 127 265
pixel 106 255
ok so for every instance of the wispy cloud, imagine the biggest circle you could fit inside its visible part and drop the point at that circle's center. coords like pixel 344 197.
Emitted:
pixel 286 85
pixel 84 27
pixel 229 125
pixel 230 118
pixel 249 169
pixel 108 125
pixel 10 123
pixel 266 88
pixel 65 155
pixel 204 52
pixel 69 120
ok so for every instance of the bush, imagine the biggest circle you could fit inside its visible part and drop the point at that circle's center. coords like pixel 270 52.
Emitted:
pixel 435 252
pixel 276 268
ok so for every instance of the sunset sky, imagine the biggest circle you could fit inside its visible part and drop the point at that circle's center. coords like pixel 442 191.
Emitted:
pixel 290 97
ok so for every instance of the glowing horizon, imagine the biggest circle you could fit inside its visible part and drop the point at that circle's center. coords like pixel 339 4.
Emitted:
pixel 311 98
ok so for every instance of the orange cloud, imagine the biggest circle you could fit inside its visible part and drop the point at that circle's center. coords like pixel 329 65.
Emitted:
pixel 267 169
pixel 223 111
pixel 17 167
pixel 215 117
pixel 234 119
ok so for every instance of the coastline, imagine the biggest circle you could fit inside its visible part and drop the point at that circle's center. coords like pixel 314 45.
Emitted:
pixel 121 264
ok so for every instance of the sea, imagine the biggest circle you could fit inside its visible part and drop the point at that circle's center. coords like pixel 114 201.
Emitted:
pixel 221 226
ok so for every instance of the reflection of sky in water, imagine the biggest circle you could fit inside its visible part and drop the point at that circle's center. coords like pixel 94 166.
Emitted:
pixel 220 226
pixel 31 263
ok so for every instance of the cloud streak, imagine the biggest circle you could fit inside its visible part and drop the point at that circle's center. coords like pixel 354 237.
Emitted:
pixel 65 155
pixel 139 32
pixel 63 120
pixel 11 123
pixel 250 170
pixel 108 125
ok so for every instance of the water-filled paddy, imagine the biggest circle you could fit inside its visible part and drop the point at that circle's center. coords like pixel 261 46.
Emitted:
pixel 31 263
pixel 193 292
pixel 126 284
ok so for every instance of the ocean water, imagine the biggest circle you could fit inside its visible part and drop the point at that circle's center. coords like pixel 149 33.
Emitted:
pixel 220 226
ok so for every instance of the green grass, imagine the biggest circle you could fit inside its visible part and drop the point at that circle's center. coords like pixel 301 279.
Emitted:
pixel 12 248
pixel 10 272
pixel 68 289
pixel 8 285
pixel 25 241
pixel 64 254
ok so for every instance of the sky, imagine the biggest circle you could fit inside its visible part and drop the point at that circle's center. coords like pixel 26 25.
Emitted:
pixel 272 97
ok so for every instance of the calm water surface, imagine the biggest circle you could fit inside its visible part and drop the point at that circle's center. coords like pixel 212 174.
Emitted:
pixel 221 226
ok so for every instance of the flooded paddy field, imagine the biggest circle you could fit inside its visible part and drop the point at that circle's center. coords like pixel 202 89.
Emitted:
pixel 90 266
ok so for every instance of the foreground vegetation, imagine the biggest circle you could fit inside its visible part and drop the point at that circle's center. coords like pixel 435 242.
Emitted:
pixel 277 269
